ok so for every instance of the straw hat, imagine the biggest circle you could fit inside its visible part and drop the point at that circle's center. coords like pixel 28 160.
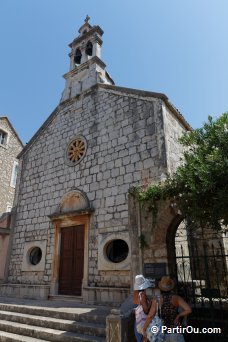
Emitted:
pixel 166 284
pixel 141 283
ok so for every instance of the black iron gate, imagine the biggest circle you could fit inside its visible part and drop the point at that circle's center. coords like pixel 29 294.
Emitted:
pixel 202 278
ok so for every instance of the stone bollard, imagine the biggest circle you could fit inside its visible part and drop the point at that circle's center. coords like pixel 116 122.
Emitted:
pixel 115 327
pixel 120 327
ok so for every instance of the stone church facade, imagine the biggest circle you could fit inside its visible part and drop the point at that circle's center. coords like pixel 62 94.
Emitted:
pixel 70 230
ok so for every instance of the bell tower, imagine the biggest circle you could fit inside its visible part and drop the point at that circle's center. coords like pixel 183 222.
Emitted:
pixel 86 66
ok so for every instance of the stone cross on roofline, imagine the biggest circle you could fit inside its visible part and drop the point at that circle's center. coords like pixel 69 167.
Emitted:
pixel 87 19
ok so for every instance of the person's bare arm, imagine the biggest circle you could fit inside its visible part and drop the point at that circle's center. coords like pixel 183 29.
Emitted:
pixel 150 316
pixel 144 302
pixel 180 302
pixel 135 297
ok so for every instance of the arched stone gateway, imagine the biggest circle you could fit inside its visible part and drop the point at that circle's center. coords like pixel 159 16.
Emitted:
pixel 153 251
pixel 195 258
pixel 198 261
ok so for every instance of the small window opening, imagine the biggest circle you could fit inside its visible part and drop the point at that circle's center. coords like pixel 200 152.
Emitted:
pixel 89 49
pixel 35 256
pixel 78 56
pixel 117 250
pixel 3 138
pixel 84 32
pixel 14 174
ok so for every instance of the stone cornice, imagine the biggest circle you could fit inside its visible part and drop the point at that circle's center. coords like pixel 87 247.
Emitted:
pixel 86 65
pixel 57 216
pixel 87 35
pixel 40 130
pixel 145 93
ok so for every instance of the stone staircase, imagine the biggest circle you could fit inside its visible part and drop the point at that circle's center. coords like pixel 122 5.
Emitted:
pixel 23 321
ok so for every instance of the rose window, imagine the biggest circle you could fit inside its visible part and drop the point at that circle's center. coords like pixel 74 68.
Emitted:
pixel 76 150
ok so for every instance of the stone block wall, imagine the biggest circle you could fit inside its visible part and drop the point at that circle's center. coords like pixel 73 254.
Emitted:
pixel 173 129
pixel 8 155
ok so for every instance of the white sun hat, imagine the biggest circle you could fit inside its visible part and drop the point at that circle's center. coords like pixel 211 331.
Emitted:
pixel 141 283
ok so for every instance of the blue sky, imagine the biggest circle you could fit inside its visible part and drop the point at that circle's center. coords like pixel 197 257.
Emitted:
pixel 177 47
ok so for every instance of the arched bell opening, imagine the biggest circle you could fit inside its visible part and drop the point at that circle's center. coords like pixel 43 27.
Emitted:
pixel 78 57
pixel 89 49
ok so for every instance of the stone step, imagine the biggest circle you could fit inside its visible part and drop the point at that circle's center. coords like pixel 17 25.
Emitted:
pixel 8 337
pixel 76 299
pixel 82 314
pixel 46 333
pixel 96 329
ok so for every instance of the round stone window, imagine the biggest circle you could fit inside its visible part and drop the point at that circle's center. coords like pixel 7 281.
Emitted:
pixel 76 150
pixel 117 250
pixel 35 255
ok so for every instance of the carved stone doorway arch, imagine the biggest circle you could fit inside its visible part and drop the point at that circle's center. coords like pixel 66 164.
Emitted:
pixel 72 215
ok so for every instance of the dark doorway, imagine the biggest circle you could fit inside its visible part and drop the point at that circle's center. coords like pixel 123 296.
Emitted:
pixel 71 261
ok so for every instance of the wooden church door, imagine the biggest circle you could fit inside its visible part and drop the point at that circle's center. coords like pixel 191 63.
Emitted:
pixel 71 261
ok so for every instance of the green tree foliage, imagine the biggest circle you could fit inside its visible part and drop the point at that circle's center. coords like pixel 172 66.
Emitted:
pixel 199 187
